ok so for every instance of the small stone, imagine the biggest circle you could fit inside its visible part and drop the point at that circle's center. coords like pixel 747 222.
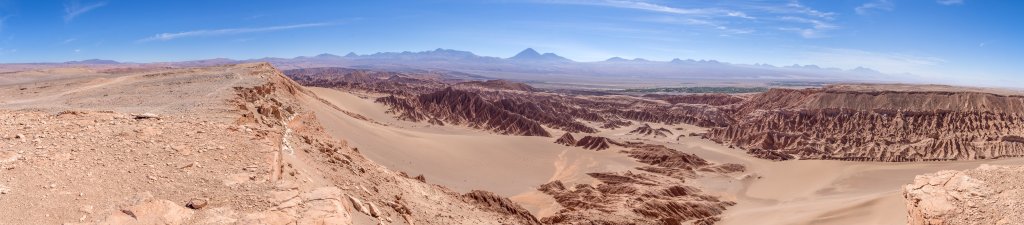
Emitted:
pixel 373 209
pixel 358 205
pixel 196 203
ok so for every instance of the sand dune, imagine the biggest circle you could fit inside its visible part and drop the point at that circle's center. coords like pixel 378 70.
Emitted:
pixel 460 158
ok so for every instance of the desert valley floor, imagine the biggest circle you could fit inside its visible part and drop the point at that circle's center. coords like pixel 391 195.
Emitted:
pixel 246 144
pixel 786 192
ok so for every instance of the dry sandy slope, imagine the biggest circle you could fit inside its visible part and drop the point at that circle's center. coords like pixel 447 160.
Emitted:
pixel 464 159
pixel 789 192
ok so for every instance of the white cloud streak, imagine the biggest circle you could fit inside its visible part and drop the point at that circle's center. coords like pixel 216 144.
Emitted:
pixel 866 8
pixel 74 9
pixel 228 31
pixel 950 2
pixel 816 29
pixel 727 19
pixel 652 7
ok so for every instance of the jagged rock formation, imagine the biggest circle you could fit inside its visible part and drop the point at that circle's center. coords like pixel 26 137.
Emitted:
pixel 653 196
pixel 647 130
pixel 566 140
pixel 463 108
pixel 704 99
pixel 493 202
pixel 876 125
pixel 615 124
pixel 595 143
pixel 986 195
pixel 499 85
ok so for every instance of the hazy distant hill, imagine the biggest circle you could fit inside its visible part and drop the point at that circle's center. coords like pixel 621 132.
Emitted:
pixel 542 67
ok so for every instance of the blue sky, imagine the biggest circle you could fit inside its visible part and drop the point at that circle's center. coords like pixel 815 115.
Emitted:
pixel 968 41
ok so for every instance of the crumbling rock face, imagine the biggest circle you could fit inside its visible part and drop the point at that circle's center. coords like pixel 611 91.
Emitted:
pixel 704 99
pixel 647 130
pixel 986 195
pixel 891 126
pixel 596 143
pixel 499 85
pixel 566 140
pixel 463 108
pixel 493 202
pixel 653 195
pixel 615 124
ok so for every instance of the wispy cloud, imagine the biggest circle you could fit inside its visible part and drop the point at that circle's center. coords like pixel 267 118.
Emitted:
pixel 796 7
pixel 228 31
pixel 653 7
pixel 728 18
pixel 75 9
pixel 950 2
pixel 68 41
pixel 700 22
pixel 866 8
pixel 815 29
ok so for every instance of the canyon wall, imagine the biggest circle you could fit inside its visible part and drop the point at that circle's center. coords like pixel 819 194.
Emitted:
pixel 872 125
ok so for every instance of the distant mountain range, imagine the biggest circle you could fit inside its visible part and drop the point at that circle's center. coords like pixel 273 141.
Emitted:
pixel 531 65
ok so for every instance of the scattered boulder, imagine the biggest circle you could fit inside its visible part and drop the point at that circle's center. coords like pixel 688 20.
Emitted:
pixel 196 203
pixel 145 116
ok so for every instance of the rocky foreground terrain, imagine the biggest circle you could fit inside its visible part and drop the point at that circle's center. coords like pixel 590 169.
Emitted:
pixel 986 195
pixel 219 145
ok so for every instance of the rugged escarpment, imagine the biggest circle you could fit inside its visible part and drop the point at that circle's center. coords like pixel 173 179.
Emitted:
pixel 705 99
pixel 838 123
pixel 596 143
pixel 463 108
pixel 647 130
pixel 566 139
pixel 986 195
pixel 499 85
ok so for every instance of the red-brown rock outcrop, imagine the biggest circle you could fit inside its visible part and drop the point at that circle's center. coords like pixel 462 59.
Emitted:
pixel 986 195
pixel 704 99
pixel 463 108
pixel 566 140
pixel 647 130
pixel 871 125
pixel 499 85
pixel 595 143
